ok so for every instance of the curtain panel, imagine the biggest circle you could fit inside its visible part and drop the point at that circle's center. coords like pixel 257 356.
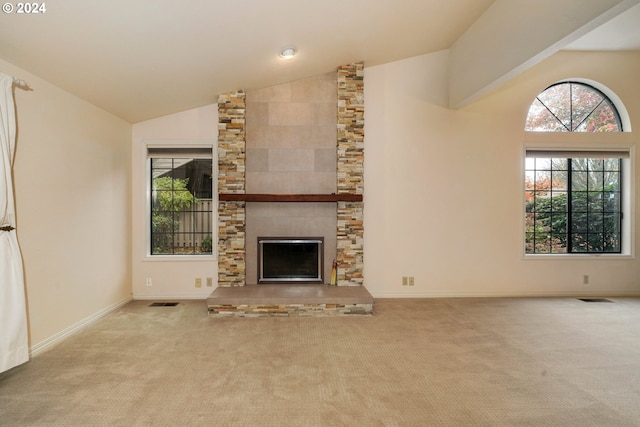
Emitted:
pixel 14 341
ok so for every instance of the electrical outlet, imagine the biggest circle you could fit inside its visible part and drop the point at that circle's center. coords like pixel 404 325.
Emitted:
pixel 149 282
pixel 404 281
pixel 198 282
pixel 209 281
pixel 411 283
pixel 585 279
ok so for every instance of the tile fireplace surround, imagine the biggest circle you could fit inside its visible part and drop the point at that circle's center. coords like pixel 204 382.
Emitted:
pixel 290 163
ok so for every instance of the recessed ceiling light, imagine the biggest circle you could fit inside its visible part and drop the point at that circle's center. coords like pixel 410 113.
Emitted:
pixel 288 52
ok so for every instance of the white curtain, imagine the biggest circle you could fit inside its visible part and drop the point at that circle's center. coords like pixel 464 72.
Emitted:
pixel 14 341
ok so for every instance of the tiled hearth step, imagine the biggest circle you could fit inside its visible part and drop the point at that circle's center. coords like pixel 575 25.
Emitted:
pixel 289 300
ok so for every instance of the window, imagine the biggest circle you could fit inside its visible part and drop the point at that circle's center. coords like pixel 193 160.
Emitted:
pixel 180 199
pixel 573 107
pixel 575 198
pixel 573 204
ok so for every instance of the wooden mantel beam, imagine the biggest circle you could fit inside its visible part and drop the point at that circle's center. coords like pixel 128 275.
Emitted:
pixel 228 197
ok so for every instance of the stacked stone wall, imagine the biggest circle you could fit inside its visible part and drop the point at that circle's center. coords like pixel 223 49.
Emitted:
pixel 231 179
pixel 349 177
pixel 350 174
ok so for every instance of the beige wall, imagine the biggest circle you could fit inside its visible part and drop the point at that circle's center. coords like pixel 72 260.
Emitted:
pixel 443 194
pixel 175 277
pixel 71 175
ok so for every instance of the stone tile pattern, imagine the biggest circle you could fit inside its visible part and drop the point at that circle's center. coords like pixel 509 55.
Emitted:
pixel 350 174
pixel 231 179
pixel 288 310
pixel 231 143
pixel 350 255
pixel 351 129
pixel 231 244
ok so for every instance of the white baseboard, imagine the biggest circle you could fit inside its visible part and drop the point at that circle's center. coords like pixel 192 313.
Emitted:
pixel 51 341
pixel 563 294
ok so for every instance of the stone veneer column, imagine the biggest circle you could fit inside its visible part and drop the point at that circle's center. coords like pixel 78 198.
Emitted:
pixel 231 179
pixel 350 174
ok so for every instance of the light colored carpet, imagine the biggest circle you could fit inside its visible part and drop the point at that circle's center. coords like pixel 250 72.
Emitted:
pixel 427 362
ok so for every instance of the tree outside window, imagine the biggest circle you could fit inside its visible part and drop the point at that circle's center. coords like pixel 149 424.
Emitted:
pixel 181 206
pixel 572 107
pixel 573 200
pixel 573 205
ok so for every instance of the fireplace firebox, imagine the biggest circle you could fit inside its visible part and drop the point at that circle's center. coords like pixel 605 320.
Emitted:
pixel 290 260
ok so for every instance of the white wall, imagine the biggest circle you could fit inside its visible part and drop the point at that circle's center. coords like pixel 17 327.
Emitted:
pixel 71 176
pixel 443 188
pixel 443 193
pixel 174 278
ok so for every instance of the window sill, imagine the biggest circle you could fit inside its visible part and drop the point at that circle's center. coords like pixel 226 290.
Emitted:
pixel 179 258
pixel 577 257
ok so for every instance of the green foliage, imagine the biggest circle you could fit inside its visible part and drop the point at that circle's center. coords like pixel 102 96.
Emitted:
pixel 207 245
pixel 594 228
pixel 170 195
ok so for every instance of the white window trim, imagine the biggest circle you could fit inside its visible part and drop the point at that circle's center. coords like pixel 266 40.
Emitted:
pixel 576 141
pixel 146 188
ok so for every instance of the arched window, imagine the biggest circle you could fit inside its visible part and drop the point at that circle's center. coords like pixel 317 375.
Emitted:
pixel 573 107
pixel 574 197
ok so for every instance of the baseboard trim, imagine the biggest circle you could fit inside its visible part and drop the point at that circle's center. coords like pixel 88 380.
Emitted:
pixel 76 327
pixel 383 295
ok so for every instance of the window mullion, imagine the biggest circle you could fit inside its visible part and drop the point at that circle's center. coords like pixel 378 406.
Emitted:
pixel 602 210
pixel 571 128
pixel 569 206
pixel 620 215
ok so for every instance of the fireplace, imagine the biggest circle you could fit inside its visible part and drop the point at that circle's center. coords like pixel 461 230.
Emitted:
pixel 300 138
pixel 290 260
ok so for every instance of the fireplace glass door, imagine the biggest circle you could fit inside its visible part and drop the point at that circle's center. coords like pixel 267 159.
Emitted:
pixel 290 260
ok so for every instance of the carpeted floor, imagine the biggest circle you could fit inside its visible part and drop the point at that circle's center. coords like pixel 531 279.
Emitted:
pixel 415 362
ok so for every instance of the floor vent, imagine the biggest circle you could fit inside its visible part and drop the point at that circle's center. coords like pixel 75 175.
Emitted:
pixel 163 304
pixel 595 300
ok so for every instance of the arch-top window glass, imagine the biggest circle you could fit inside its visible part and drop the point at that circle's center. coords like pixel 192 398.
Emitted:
pixel 573 107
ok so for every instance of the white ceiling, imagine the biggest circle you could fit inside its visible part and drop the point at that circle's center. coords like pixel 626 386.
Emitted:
pixel 620 33
pixel 141 59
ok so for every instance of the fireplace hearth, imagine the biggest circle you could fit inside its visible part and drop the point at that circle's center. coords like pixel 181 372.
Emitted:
pixel 290 260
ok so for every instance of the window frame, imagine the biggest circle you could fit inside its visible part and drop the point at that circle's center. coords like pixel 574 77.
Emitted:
pixel 569 213
pixel 587 141
pixel 533 143
pixel 178 145
pixel 606 99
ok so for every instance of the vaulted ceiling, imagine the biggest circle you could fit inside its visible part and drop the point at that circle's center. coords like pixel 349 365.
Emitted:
pixel 142 59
